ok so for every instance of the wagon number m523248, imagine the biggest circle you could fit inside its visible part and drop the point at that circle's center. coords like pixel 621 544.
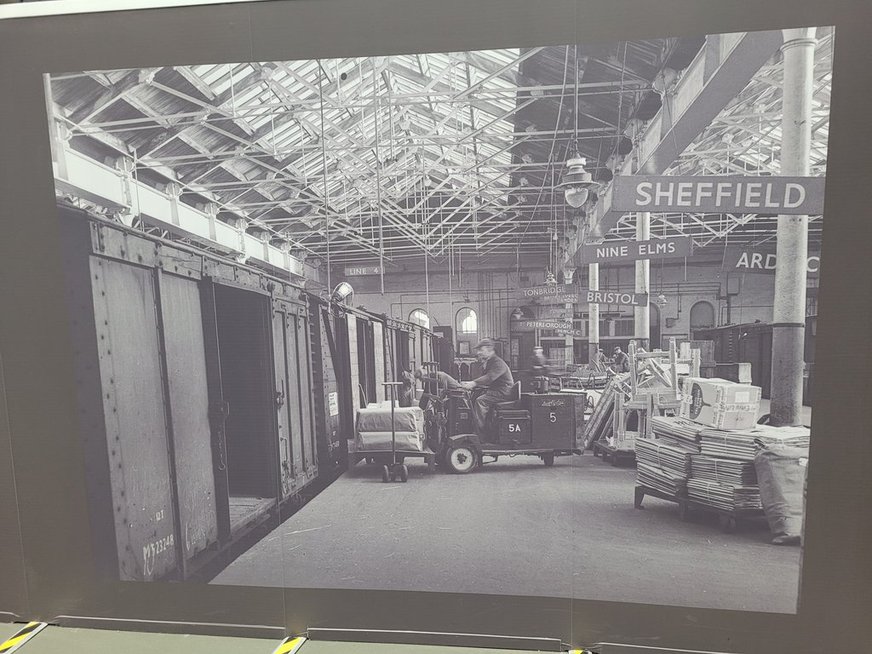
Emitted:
pixel 150 551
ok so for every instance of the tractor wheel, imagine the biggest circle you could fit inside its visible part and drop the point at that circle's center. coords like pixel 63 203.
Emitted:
pixel 461 459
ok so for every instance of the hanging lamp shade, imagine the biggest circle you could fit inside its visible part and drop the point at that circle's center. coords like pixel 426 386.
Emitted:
pixel 342 292
pixel 576 182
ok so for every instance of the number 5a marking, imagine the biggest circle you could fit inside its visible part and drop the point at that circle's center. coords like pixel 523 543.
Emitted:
pixel 513 427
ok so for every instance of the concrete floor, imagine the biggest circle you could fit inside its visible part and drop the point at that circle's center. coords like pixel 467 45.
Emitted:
pixel 519 528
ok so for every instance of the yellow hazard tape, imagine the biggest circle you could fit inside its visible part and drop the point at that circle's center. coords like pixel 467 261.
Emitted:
pixel 288 646
pixel 26 633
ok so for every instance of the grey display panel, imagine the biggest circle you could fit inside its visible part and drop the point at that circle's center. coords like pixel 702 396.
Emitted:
pixel 214 41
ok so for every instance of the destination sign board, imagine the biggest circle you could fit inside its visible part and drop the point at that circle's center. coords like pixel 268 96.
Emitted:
pixel 717 194
pixel 546 324
pixel 549 293
pixel 664 248
pixel 357 271
pixel 763 261
pixel 616 297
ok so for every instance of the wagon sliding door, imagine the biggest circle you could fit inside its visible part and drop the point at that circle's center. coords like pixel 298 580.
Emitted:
pixel 138 445
pixel 188 409
pixel 293 396
pixel 354 354
pixel 379 359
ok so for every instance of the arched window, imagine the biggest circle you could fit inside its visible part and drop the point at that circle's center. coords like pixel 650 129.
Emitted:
pixel 467 321
pixel 420 317
pixel 702 316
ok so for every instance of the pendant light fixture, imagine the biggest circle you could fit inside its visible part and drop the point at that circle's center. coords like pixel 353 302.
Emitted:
pixel 576 182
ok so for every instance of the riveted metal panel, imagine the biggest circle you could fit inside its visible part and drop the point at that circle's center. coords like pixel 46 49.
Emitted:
pixel 136 429
pixel 189 399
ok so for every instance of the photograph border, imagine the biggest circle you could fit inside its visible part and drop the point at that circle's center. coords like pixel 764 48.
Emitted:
pixel 834 599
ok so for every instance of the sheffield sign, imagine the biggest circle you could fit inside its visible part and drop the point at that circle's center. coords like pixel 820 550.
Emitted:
pixel 615 297
pixel 715 194
pixel 664 248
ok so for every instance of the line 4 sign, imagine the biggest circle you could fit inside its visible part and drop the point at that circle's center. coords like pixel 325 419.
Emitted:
pixel 715 194
pixel 664 248
pixel 357 271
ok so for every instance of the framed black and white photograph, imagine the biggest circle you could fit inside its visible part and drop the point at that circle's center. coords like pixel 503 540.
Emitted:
pixel 479 323
pixel 262 253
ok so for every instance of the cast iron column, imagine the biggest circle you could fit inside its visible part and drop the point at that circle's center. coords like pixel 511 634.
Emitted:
pixel 642 314
pixel 788 315
pixel 593 335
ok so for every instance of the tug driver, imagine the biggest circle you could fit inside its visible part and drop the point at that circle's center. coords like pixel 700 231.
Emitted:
pixel 498 380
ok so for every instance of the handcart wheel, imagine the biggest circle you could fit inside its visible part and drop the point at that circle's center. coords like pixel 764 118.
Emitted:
pixel 404 473
pixel 386 474
pixel 548 459
pixel 461 459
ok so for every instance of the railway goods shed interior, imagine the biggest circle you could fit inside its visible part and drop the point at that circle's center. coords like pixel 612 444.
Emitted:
pixel 261 256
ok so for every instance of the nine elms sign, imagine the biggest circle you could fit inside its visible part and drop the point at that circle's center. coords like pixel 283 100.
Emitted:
pixel 714 194
pixel 662 248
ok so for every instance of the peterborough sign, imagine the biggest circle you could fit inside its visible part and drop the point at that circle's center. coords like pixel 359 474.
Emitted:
pixel 715 194
pixel 546 324
pixel 664 248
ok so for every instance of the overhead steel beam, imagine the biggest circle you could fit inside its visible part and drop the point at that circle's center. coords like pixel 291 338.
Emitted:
pixel 111 188
pixel 716 76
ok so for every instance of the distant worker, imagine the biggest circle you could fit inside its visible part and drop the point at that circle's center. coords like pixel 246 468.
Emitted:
pixel 539 370
pixel 497 378
pixel 437 381
pixel 435 384
pixel 600 358
pixel 538 362
pixel 621 360
pixel 407 390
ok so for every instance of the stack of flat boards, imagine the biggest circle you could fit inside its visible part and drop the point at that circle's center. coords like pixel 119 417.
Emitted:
pixel 730 472
pixel 722 496
pixel 741 444
pixel 662 466
pixel 679 432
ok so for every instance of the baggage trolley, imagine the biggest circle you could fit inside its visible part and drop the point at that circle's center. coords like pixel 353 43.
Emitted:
pixel 395 469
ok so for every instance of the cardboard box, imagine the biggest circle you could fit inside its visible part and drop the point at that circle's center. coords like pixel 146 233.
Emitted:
pixel 720 403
